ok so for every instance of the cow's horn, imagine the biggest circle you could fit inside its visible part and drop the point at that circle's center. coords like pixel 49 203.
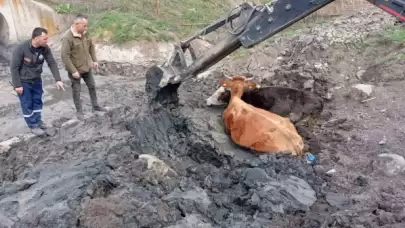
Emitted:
pixel 227 76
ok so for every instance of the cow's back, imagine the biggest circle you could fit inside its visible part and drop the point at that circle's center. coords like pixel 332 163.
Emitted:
pixel 261 130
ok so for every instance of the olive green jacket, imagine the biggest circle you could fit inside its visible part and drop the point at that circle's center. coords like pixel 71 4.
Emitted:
pixel 77 53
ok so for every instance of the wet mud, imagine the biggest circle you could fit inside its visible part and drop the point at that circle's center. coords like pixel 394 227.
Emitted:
pixel 158 163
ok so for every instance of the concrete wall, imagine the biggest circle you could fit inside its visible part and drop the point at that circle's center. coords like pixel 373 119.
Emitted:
pixel 19 17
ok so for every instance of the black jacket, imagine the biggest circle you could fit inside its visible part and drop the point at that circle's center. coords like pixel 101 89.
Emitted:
pixel 27 61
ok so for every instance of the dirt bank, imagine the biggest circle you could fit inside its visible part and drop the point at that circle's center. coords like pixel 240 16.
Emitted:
pixel 149 165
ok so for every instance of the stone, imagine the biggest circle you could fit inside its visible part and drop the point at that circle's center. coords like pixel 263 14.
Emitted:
pixel 309 84
pixel 160 167
pixel 360 74
pixel 361 92
pixel 395 164
pixel 197 195
pixel 192 220
pixel 279 196
pixel 5 146
pixel 337 200
pixel 70 123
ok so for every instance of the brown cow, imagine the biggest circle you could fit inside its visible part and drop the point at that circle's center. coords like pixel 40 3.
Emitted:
pixel 256 128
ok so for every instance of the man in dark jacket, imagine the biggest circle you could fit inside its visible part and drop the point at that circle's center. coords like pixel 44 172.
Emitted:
pixel 79 56
pixel 26 69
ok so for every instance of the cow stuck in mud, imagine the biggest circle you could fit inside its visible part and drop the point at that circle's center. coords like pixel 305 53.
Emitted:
pixel 287 102
pixel 256 128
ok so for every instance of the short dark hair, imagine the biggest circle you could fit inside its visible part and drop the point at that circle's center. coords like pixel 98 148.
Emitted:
pixel 80 16
pixel 38 32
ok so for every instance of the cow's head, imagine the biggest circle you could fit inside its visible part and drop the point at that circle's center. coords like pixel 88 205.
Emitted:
pixel 222 95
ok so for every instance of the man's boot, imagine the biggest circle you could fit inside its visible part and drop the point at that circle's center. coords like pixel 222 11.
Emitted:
pixel 37 131
pixel 79 112
pixel 94 102
pixel 76 99
pixel 44 126
pixel 80 115
pixel 99 109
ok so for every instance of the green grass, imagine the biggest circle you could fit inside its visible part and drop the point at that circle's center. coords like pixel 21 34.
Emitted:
pixel 389 35
pixel 395 34
pixel 124 20
pixel 121 21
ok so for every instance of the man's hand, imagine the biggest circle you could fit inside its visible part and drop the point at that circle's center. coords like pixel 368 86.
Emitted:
pixel 59 85
pixel 76 75
pixel 19 90
pixel 95 65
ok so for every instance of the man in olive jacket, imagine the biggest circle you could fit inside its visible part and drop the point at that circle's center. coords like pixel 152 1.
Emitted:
pixel 79 57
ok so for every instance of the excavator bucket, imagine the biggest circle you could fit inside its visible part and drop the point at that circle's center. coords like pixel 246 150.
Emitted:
pixel 175 65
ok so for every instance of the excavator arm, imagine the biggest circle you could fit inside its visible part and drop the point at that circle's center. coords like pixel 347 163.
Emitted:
pixel 258 23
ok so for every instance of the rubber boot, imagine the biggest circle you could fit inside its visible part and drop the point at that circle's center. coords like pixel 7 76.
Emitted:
pixel 94 102
pixel 79 112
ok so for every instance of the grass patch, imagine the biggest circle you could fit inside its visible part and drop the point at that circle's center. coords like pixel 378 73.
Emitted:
pixel 387 36
pixel 127 20
pixel 121 21
pixel 394 34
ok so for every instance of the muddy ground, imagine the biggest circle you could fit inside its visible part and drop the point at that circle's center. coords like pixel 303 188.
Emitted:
pixel 172 165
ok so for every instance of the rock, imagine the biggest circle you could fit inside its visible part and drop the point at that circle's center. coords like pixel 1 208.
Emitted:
pixel 309 84
pixel 335 122
pixel 305 75
pixel 360 92
pixel 6 145
pixel 360 74
pixel 70 123
pixel 396 164
pixel 279 196
pixel 361 181
pixel 320 170
pixel 192 220
pixel 337 200
pixel 198 196
pixel 383 141
pixel 254 176
pixel 157 165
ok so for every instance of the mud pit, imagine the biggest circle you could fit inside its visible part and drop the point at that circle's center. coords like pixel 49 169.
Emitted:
pixel 101 173
pixel 102 176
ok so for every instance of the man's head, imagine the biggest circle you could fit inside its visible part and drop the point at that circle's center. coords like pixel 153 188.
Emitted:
pixel 39 37
pixel 80 23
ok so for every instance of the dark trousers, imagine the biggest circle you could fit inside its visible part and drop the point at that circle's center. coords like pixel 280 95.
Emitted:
pixel 31 103
pixel 76 88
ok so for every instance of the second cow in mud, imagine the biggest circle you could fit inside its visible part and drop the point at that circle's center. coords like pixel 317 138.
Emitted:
pixel 256 128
